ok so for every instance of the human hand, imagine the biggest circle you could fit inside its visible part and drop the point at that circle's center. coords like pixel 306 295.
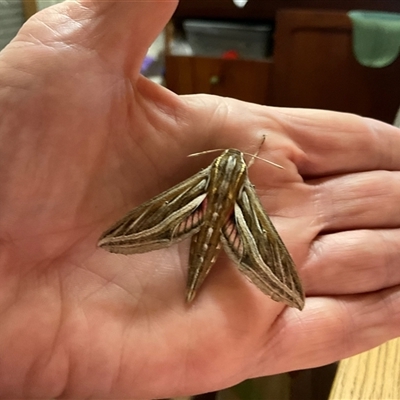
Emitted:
pixel 84 138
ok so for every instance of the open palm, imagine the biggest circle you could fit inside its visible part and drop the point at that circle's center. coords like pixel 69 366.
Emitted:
pixel 83 138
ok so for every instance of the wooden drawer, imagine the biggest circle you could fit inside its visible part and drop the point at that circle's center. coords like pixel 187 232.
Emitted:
pixel 247 80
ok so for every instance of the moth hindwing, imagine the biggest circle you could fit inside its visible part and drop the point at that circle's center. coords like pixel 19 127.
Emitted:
pixel 218 205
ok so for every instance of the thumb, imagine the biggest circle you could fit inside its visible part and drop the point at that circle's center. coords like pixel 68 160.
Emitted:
pixel 119 31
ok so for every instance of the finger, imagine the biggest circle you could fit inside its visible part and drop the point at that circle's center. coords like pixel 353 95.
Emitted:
pixel 330 329
pixel 355 201
pixel 333 142
pixel 319 142
pixel 353 262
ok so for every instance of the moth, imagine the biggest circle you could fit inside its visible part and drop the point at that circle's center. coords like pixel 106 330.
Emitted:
pixel 217 207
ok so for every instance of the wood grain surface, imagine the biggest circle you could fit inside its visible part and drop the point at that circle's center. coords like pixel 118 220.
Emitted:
pixel 374 374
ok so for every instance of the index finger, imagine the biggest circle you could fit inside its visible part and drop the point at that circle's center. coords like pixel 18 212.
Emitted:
pixel 335 143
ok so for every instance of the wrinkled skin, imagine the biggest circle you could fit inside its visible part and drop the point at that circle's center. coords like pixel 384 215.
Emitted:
pixel 83 138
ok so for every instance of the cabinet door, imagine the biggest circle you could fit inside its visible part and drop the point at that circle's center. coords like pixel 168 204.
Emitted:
pixel 315 68
pixel 247 80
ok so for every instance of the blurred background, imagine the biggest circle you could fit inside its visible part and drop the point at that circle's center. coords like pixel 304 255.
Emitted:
pixel 340 55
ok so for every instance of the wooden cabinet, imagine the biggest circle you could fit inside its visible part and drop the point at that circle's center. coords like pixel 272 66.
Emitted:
pixel 312 66
pixel 266 9
pixel 247 80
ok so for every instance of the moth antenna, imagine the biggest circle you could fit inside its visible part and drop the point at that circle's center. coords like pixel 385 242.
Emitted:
pixel 253 156
pixel 205 152
pixel 257 152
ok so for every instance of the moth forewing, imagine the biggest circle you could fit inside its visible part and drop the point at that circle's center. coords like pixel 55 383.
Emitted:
pixel 251 240
pixel 161 221
pixel 216 205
